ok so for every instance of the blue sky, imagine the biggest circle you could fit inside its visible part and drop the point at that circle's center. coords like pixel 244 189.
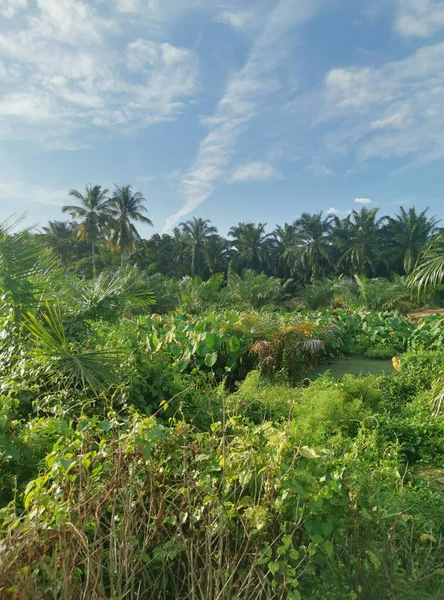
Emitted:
pixel 232 110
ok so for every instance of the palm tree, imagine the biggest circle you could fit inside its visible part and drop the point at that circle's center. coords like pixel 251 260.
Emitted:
pixel 252 245
pixel 407 236
pixel 313 247
pixel 94 212
pixel 365 243
pixel 284 238
pixel 429 271
pixel 196 233
pixel 59 235
pixel 218 252
pixel 125 207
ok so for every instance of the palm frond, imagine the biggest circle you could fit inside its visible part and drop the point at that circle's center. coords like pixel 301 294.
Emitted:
pixel 90 369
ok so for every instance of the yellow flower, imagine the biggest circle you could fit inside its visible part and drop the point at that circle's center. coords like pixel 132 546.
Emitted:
pixel 396 363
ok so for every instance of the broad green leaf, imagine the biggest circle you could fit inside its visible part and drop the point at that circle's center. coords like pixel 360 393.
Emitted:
pixel 210 359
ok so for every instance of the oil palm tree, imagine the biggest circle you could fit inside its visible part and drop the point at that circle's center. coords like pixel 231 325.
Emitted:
pixel 196 233
pixel 429 271
pixel 126 206
pixel 252 245
pixel 312 247
pixel 283 239
pixel 94 210
pixel 407 236
pixel 59 236
pixel 218 252
pixel 365 244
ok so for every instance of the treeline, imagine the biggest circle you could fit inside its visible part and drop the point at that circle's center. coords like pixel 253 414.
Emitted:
pixel 314 246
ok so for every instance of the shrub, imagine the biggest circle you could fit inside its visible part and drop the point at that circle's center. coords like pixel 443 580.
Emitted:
pixel 134 509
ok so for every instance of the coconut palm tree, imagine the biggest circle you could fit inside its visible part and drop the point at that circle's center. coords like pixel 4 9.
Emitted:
pixel 94 210
pixel 407 235
pixel 312 247
pixel 59 236
pixel 252 245
pixel 126 206
pixel 365 243
pixel 196 233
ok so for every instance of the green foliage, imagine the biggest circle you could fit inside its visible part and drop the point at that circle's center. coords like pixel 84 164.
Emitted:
pixel 298 522
pixel 188 455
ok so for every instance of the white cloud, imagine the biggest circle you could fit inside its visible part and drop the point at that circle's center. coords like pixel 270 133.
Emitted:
pixel 8 8
pixel 363 200
pixel 242 101
pixel 389 112
pixel 319 170
pixel 17 192
pixel 65 75
pixel 419 18
pixel 332 211
pixel 236 20
pixel 255 171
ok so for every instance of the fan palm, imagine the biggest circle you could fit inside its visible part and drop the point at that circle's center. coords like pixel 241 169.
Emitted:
pixel 407 236
pixel 93 209
pixel 252 245
pixel 126 206
pixel 196 233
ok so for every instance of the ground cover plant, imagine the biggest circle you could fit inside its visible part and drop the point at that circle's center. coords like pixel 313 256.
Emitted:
pixel 170 438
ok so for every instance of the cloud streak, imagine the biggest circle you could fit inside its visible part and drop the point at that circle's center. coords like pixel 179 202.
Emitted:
pixel 244 96
pixel 255 171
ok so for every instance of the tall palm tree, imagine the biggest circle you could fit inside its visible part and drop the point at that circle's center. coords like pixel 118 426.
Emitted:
pixel 252 245
pixel 407 236
pixel 218 252
pixel 284 238
pixel 196 233
pixel 126 206
pixel 59 235
pixel 365 244
pixel 93 209
pixel 313 246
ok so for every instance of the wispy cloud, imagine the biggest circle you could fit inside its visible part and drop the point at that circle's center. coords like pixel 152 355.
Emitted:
pixel 20 192
pixel 8 8
pixel 393 111
pixel 237 20
pixel 319 170
pixel 419 18
pixel 244 94
pixel 65 75
pixel 255 171
pixel 363 201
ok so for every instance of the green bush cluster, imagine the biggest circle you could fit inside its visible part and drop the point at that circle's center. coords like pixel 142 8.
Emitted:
pixel 190 454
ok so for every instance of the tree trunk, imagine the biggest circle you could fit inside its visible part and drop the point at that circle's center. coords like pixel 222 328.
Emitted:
pixel 93 247
pixel 122 259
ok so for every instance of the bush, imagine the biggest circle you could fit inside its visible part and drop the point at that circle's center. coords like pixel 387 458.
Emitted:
pixel 418 372
pixel 134 509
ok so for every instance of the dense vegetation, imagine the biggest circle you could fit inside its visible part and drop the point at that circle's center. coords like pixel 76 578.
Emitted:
pixel 164 436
